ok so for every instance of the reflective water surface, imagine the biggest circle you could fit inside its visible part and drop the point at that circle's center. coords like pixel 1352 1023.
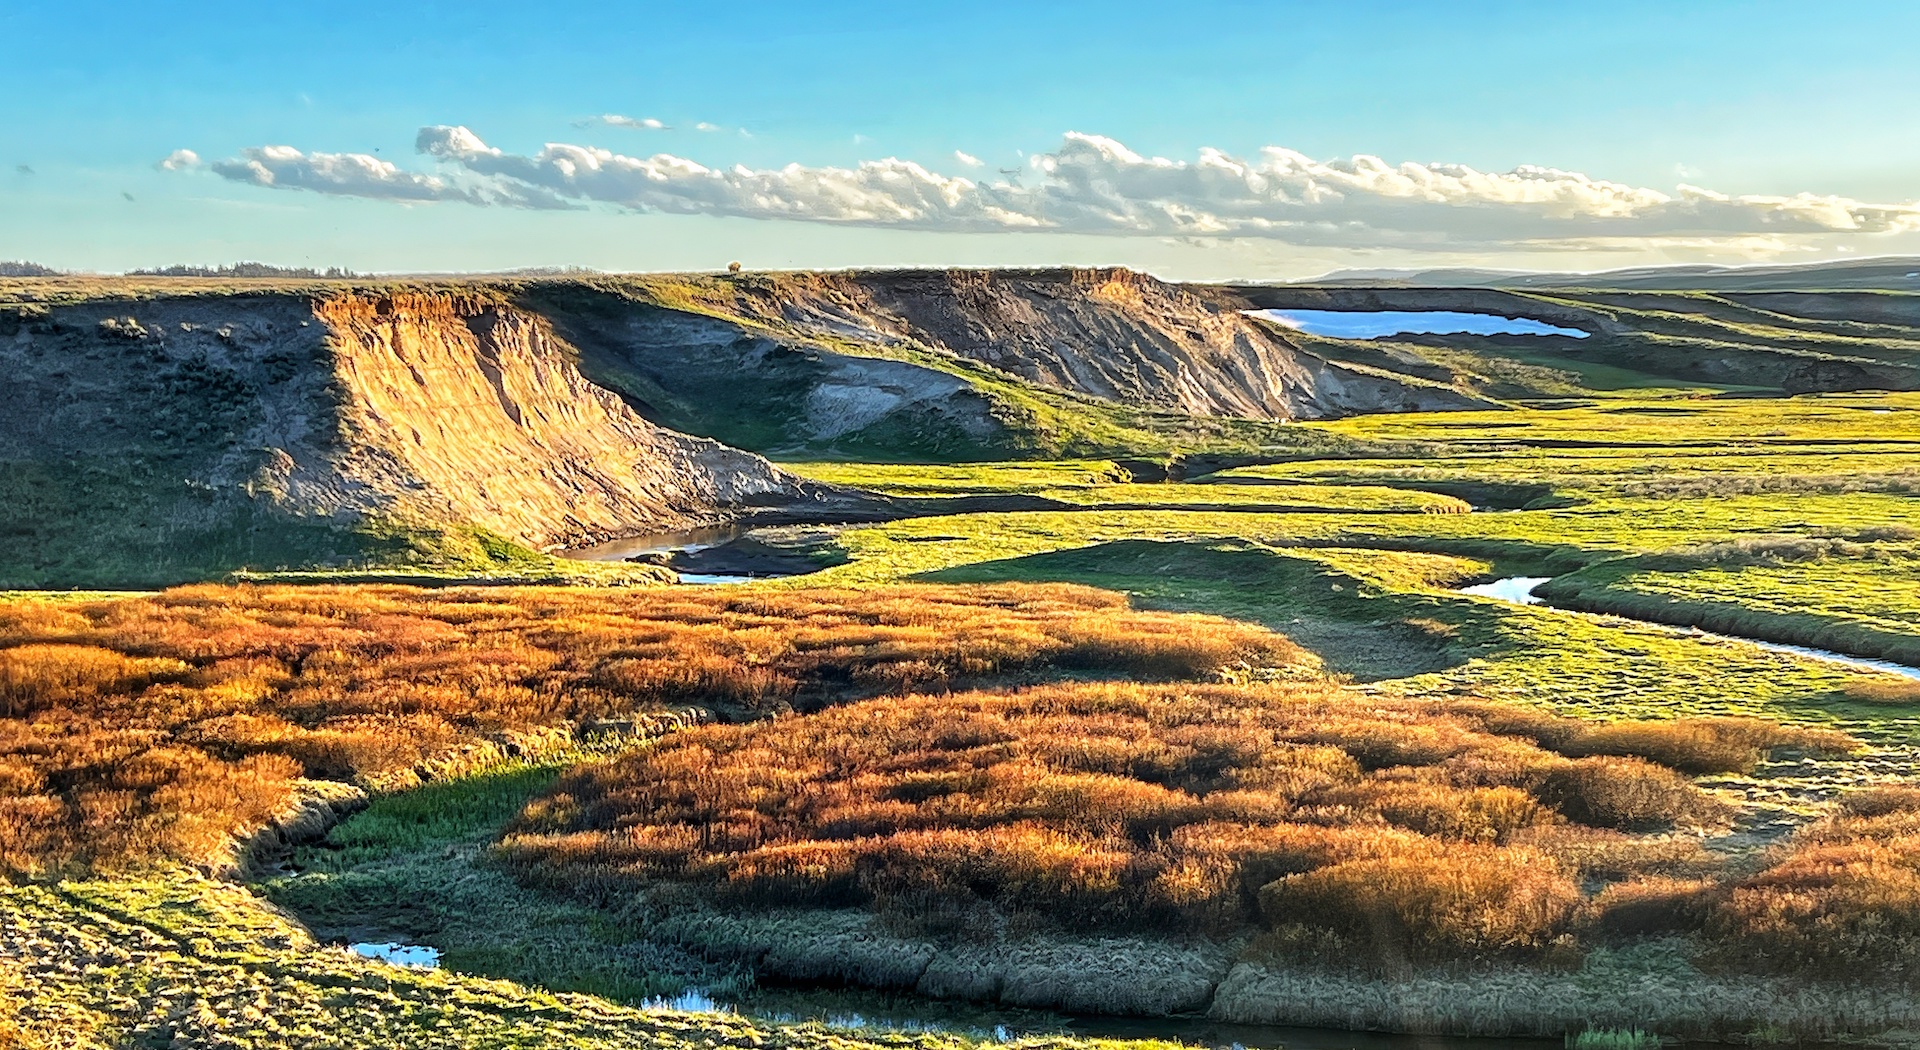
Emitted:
pixel 1375 324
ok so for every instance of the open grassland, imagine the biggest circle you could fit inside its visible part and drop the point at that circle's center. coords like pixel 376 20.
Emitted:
pixel 1856 597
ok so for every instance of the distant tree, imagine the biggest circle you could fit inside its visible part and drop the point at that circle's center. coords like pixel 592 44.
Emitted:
pixel 244 269
pixel 26 269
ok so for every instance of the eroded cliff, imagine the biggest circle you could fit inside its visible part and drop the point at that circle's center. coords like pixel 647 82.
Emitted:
pixel 1112 334
pixel 150 439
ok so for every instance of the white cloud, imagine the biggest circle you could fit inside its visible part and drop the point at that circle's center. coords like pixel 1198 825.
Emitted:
pixel 179 160
pixel 968 159
pixel 704 126
pixel 363 175
pixel 1095 185
pixel 615 120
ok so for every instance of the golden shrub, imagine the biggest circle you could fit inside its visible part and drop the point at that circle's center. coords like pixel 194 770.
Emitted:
pixel 159 726
pixel 1466 901
pixel 1087 803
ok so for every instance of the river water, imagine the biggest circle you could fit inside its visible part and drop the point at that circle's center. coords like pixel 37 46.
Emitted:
pixel 1519 591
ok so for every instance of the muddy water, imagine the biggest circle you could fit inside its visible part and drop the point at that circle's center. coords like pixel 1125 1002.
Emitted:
pixel 684 541
pixel 660 543
pixel 1519 590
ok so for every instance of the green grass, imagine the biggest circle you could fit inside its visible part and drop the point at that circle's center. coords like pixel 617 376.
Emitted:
pixel 1613 1039
pixel 178 959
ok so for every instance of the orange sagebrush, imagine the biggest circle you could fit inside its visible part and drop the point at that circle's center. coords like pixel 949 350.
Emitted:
pixel 155 727
pixel 1843 898
pixel 1115 804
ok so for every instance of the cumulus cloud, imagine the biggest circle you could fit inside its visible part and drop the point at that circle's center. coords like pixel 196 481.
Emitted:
pixel 1090 184
pixel 967 159
pixel 363 175
pixel 179 160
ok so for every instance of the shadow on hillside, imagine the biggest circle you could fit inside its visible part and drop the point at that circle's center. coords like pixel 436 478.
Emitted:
pixel 1356 630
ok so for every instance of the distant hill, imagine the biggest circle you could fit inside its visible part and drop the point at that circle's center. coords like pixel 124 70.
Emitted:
pixel 1890 273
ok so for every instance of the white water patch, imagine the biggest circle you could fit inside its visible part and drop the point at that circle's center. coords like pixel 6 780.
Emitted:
pixel 412 956
pixel 711 578
pixel 1377 324
pixel 1519 591
pixel 1515 589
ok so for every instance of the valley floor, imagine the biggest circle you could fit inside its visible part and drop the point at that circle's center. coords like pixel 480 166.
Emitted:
pixel 1788 520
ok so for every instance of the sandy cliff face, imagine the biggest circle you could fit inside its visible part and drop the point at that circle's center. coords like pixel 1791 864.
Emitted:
pixel 149 439
pixel 476 408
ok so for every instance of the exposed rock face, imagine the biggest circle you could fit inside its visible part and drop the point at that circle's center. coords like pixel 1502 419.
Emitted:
pixel 1108 333
pixel 473 406
pixel 181 434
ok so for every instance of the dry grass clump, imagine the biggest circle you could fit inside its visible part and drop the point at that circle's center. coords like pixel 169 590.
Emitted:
pixel 158 727
pixel 1414 907
pixel 1842 899
pixel 1389 827
pixel 1628 794
pixel 1704 745
pixel 1883 690
pixel 1691 745
pixel 1652 905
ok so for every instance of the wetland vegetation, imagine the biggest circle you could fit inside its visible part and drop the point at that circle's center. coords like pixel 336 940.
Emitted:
pixel 1231 744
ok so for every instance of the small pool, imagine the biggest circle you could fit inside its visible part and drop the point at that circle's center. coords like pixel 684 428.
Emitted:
pixel 412 956
pixel 1376 324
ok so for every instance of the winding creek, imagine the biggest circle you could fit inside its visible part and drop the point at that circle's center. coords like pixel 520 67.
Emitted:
pixel 1519 590
pixel 855 1009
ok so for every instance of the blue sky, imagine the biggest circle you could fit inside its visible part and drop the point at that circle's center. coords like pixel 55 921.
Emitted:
pixel 1624 103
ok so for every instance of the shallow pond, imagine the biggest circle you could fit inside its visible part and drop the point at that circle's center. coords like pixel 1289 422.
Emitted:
pixel 1515 589
pixel 660 543
pixel 686 541
pixel 1519 590
pixel 413 956
pixel 1376 324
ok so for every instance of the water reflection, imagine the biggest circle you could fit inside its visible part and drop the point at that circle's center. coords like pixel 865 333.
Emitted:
pixel 1375 324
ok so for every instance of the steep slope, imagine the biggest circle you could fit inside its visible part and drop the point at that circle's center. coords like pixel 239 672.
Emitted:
pixel 768 389
pixel 957 364
pixel 471 405
pixel 153 439
pixel 1106 333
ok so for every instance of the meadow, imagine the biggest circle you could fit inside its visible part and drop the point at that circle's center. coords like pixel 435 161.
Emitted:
pixel 1241 729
